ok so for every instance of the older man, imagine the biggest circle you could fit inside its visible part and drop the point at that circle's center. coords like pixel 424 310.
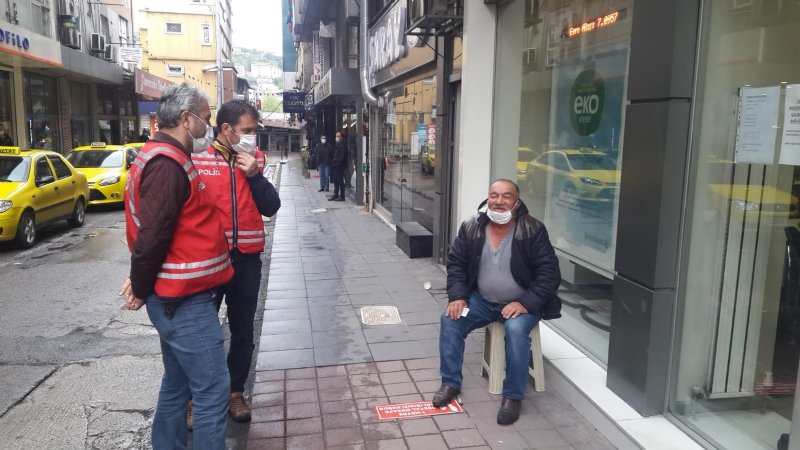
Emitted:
pixel 501 268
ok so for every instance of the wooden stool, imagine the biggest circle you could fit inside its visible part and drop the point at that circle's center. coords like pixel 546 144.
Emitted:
pixel 494 358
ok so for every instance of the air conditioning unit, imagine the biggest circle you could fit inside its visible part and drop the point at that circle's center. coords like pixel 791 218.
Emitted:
pixel 70 37
pixel 98 43
pixel 110 53
pixel 419 9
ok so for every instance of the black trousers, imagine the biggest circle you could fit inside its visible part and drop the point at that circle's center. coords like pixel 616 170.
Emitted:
pixel 241 296
pixel 338 181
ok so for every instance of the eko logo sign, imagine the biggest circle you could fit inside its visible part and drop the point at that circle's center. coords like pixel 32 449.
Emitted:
pixel 587 100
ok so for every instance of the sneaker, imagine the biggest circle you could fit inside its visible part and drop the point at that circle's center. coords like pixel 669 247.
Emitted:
pixel 239 409
pixel 189 421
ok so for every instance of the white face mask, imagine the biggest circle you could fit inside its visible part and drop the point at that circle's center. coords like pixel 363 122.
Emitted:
pixel 500 218
pixel 323 140
pixel 338 139
pixel 247 143
pixel 199 145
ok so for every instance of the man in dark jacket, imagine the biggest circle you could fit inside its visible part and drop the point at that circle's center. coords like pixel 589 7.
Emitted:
pixel 501 268
pixel 322 152
pixel 339 163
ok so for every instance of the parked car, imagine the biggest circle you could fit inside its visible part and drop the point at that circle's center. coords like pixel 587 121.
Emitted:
pixel 524 156
pixel 106 167
pixel 585 174
pixel 37 188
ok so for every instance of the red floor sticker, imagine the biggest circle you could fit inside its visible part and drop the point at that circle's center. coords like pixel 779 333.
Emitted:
pixel 413 410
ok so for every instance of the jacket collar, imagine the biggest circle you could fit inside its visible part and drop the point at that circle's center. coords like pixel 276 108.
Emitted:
pixel 226 152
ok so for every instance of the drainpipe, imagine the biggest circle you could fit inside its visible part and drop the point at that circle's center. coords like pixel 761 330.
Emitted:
pixel 369 97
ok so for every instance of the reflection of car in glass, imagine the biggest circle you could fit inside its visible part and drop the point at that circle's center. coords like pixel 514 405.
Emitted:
pixel 106 168
pixel 37 188
pixel 135 145
pixel 427 159
pixel 742 197
pixel 524 156
pixel 587 174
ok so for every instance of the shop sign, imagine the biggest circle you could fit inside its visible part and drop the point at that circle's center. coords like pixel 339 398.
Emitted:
pixel 316 51
pixel 790 140
pixel 323 89
pixel 150 85
pixel 587 98
pixel 432 135
pixel 309 104
pixel 337 81
pixel 391 52
pixel 19 41
pixel 422 133
pixel 294 102
pixel 130 55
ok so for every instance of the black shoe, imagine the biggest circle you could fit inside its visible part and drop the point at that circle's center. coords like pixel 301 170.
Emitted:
pixel 340 199
pixel 332 199
pixel 445 395
pixel 509 411
pixel 321 190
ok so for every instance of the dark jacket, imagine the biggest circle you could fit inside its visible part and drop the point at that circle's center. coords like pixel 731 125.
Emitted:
pixel 340 155
pixel 533 262
pixel 323 153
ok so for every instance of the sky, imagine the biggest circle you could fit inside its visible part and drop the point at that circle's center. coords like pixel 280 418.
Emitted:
pixel 258 24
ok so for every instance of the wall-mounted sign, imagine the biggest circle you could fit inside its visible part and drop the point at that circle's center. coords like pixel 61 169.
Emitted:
pixel 391 53
pixel 757 125
pixel 431 138
pixel 790 140
pixel 150 85
pixel 131 55
pixel 18 41
pixel 316 51
pixel 337 81
pixel 594 24
pixel 309 104
pixel 294 102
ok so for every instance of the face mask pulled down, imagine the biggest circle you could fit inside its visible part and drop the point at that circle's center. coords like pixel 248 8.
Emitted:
pixel 500 217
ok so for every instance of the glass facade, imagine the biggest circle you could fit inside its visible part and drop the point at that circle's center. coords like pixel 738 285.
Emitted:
pixel 739 329
pixel 81 118
pixel 567 157
pixel 406 153
pixel 41 110
pixel 7 110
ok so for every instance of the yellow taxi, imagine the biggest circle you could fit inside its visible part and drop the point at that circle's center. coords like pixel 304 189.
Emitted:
pixel 524 156
pixel 427 159
pixel 135 145
pixel 585 174
pixel 37 188
pixel 106 167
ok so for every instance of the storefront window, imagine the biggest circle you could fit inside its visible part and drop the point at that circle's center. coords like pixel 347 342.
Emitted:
pixel 407 153
pixel 570 107
pixel 739 328
pixel 41 108
pixel 81 119
pixel 7 137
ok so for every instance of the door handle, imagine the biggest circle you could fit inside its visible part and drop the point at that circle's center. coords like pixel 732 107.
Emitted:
pixel 56 188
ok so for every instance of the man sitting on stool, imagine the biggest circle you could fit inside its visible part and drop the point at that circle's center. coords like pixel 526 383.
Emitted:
pixel 511 277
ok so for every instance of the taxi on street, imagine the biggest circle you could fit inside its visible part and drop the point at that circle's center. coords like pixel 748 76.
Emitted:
pixel 37 188
pixel 106 168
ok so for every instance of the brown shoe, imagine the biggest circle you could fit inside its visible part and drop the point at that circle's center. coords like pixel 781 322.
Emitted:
pixel 239 409
pixel 189 421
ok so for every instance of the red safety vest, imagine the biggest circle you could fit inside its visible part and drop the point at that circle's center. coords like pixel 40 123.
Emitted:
pixel 197 259
pixel 243 225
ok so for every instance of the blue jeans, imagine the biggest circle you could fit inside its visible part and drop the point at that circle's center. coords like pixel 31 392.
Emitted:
pixel 518 344
pixel 324 175
pixel 194 367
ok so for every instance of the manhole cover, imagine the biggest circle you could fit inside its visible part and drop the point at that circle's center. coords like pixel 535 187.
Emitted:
pixel 318 210
pixel 380 315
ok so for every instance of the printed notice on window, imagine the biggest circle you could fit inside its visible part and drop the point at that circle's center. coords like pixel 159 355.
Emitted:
pixel 756 129
pixel 790 140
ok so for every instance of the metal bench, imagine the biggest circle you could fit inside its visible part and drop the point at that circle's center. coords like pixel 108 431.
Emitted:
pixel 494 358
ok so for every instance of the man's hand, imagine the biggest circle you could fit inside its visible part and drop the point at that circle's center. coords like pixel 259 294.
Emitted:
pixel 131 302
pixel 455 308
pixel 513 310
pixel 247 163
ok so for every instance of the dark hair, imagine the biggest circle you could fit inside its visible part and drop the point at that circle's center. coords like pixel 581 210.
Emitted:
pixel 232 111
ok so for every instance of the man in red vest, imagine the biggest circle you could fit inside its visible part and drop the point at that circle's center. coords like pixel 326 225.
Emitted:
pixel 232 169
pixel 179 261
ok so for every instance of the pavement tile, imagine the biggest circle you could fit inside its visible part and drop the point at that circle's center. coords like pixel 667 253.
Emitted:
pixel 484 409
pixel 417 427
pixel 423 363
pixel 294 397
pixel 394 377
pixel 305 442
pixel 368 391
pixel 289 303
pixel 286 314
pixel 270 399
pixel 533 420
pixel 544 439
pixel 355 351
pixel 375 298
pixel 289 293
pixel 277 342
pixel 266 444
pixel 285 359
pixel 343 436
pixel 284 286
pixel 425 374
pixel 262 430
pixel 286 327
pixel 388 351
pixel 463 438
pixel 297 374
pixel 584 434
pixel 371 379
pixel 302 410
pixel 390 366
pixel 400 333
pixel 266 387
pixel 327 275
pixel 429 386
pixel 299 427
pixel 333 382
pixel 342 321
pixel 421 317
pixel 303 384
pixel 267 414
pixel 387 444
pixel 428 442
pixel 337 406
pixel 381 430
pixel 362 368
pixel 340 420
pixel 333 394
pixel 331 371
pixel 368 415
pixel 369 402
pixel 269 375
pixel 507 440
pixel 400 389
pixel 348 447
pixel 458 421
pixel 405 398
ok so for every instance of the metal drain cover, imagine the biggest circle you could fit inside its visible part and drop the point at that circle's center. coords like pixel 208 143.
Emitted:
pixel 380 315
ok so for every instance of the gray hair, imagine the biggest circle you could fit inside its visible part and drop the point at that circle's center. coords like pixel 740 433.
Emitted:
pixel 506 180
pixel 175 100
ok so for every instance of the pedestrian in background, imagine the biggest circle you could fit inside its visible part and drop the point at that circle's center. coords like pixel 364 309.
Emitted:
pixel 322 153
pixel 339 164
pixel 232 170
pixel 179 260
